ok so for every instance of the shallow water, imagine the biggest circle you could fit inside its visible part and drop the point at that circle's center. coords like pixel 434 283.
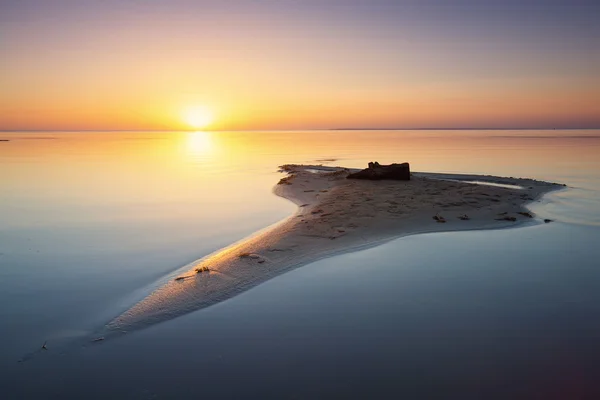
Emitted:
pixel 91 222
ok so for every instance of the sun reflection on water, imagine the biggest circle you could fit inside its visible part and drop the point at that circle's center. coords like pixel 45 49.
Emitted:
pixel 199 143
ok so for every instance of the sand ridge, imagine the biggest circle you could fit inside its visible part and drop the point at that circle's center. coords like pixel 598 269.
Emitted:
pixel 336 215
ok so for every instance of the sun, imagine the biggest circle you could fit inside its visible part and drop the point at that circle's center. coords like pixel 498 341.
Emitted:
pixel 198 117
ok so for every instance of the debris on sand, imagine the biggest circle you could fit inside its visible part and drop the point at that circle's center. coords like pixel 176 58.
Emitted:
pixel 249 255
pixel 201 269
pixel 259 259
pixel 287 180
pixel 507 218
pixel 464 217
pixel 439 218
pixel 548 220
pixel 287 168
pixel 182 278
pixel 525 214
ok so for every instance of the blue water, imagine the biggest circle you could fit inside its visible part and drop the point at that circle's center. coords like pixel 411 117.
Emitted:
pixel 496 314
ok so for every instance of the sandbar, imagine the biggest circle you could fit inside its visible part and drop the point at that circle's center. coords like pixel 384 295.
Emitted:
pixel 337 215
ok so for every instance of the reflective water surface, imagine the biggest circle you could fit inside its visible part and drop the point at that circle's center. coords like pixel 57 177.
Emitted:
pixel 92 221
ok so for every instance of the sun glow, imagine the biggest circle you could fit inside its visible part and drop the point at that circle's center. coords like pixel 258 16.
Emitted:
pixel 198 117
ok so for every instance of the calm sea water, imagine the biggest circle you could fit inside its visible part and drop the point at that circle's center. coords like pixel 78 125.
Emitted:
pixel 91 222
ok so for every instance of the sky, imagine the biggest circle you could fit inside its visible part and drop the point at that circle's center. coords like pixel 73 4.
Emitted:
pixel 299 64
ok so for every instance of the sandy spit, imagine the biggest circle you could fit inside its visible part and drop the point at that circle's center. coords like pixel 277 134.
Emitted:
pixel 337 215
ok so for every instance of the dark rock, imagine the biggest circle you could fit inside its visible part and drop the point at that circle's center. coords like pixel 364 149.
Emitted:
pixel 547 221
pixel 376 171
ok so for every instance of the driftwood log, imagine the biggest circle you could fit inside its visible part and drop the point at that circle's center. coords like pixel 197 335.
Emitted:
pixel 376 171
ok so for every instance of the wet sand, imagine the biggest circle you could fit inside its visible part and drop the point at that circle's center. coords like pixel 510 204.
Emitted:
pixel 337 215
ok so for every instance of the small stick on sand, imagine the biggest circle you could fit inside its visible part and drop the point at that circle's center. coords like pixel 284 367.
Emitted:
pixel 181 278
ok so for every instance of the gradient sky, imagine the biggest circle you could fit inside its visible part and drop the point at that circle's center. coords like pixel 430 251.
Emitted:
pixel 299 64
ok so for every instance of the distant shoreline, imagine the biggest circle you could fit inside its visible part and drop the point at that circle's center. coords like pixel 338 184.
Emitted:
pixel 336 215
pixel 464 129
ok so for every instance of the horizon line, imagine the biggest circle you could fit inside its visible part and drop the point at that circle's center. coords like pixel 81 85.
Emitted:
pixel 294 130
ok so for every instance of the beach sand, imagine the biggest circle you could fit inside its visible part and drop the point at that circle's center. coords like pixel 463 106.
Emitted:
pixel 337 215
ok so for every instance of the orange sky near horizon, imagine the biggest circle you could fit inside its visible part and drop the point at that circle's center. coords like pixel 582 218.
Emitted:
pixel 141 68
